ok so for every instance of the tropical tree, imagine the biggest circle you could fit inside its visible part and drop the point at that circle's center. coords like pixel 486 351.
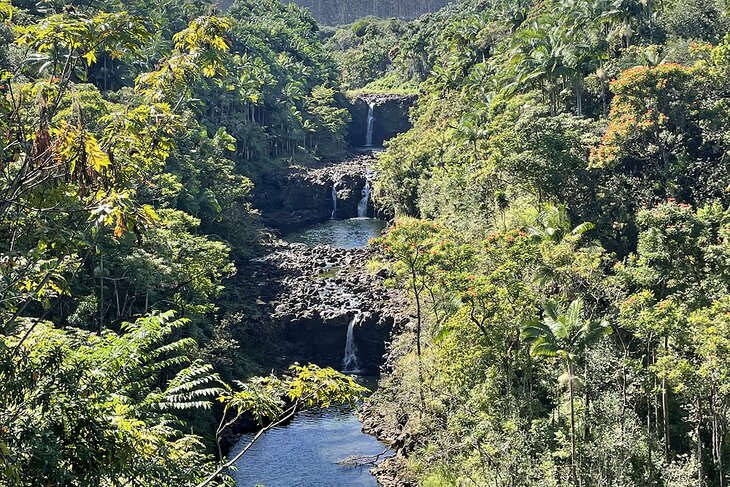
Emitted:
pixel 565 335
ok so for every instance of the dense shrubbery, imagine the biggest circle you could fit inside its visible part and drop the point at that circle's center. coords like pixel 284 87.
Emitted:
pixel 129 134
pixel 562 230
pixel 552 350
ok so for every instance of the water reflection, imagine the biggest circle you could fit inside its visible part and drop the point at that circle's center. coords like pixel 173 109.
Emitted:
pixel 305 453
pixel 344 234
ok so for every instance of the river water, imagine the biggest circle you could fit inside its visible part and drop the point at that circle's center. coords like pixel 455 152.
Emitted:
pixel 343 234
pixel 306 452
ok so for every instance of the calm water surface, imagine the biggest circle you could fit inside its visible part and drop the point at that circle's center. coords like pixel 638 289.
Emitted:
pixel 305 453
pixel 343 234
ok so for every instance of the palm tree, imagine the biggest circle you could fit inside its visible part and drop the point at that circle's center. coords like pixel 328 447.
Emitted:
pixel 553 224
pixel 470 131
pixel 565 335
pixel 543 56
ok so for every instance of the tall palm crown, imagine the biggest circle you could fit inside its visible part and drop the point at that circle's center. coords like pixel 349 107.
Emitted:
pixel 565 335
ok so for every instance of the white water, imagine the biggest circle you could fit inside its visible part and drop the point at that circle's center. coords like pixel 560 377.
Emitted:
pixel 334 202
pixel 371 120
pixel 362 206
pixel 349 363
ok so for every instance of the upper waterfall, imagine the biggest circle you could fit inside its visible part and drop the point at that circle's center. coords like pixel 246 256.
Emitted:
pixel 371 122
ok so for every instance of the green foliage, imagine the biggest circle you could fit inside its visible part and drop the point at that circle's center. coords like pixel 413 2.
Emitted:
pixel 366 50
pixel 80 408
pixel 696 19
pixel 131 133
pixel 566 169
pixel 588 140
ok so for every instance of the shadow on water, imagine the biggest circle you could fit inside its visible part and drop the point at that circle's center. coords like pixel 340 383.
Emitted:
pixel 308 451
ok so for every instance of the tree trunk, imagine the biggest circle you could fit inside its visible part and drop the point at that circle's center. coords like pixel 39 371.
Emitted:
pixel 665 405
pixel 417 295
pixel 101 292
pixel 586 427
pixel 700 477
pixel 648 437
pixel 572 423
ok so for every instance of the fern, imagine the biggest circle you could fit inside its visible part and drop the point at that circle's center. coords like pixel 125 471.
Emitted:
pixel 192 388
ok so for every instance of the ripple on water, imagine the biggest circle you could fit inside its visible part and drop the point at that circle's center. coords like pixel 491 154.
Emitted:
pixel 344 234
pixel 305 453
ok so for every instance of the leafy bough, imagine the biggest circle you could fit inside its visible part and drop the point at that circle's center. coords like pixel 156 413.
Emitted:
pixel 264 397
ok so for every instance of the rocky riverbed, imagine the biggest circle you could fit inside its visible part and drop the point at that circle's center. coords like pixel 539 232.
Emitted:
pixel 307 296
pixel 313 293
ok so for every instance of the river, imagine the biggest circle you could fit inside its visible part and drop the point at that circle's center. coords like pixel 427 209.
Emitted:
pixel 306 452
pixel 343 234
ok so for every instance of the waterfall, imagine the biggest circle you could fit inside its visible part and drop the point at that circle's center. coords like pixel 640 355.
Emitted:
pixel 371 120
pixel 349 363
pixel 362 207
pixel 334 202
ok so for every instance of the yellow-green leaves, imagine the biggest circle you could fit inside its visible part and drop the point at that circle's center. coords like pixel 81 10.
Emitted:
pixel 80 151
pixel 90 58
pixel 318 387
pixel 260 396
pixel 97 158
pixel 120 211
pixel 200 48
pixel 203 33
pixel 6 11
pixel 75 36
pixel 307 386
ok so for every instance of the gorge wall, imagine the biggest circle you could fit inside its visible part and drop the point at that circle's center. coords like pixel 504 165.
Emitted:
pixel 391 117
pixel 336 12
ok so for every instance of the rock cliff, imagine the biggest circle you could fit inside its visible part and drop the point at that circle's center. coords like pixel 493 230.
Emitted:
pixel 298 196
pixel 391 114
pixel 312 294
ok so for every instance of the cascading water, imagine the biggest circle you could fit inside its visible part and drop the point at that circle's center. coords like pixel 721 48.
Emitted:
pixel 371 120
pixel 362 206
pixel 334 202
pixel 349 363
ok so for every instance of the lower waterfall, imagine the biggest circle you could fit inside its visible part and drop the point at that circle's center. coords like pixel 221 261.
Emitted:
pixel 349 363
